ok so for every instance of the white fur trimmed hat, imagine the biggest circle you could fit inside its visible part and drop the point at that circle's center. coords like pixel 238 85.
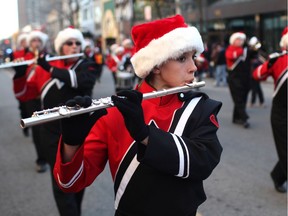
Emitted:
pixel 126 42
pixel 160 40
pixel 65 35
pixel 20 38
pixel 37 34
pixel 284 38
pixel 236 35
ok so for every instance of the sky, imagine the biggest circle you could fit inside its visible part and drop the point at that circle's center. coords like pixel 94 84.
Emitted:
pixel 8 18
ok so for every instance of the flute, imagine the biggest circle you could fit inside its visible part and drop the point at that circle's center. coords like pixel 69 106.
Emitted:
pixel 277 55
pixel 40 117
pixel 28 62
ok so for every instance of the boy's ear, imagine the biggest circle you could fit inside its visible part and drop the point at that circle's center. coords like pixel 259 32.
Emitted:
pixel 156 70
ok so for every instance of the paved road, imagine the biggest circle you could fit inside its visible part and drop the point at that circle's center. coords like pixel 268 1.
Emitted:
pixel 239 186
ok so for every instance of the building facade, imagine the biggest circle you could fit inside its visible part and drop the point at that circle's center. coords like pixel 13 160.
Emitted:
pixel 112 20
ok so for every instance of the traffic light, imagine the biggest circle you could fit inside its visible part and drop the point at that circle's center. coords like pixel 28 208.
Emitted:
pixel 7 41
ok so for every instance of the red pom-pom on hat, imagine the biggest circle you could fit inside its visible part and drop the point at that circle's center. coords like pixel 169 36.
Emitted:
pixel 160 40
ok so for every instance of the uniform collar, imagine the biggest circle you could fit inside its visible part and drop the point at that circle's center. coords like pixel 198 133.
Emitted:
pixel 144 87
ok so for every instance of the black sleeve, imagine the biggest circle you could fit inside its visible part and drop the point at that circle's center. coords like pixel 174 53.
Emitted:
pixel 20 71
pixel 83 77
pixel 192 155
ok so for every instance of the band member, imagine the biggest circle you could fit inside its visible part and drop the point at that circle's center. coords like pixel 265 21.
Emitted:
pixel 129 48
pixel 256 58
pixel 114 60
pixel 93 53
pixel 238 77
pixel 159 150
pixel 21 47
pixel 18 55
pixel 36 41
pixel 277 67
pixel 56 82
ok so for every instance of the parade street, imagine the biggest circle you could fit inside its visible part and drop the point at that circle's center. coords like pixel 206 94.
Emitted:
pixel 239 186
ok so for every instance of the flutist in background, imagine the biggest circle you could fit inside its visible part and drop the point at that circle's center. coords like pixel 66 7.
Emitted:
pixel 159 150
pixel 277 67
pixel 55 82
pixel 36 42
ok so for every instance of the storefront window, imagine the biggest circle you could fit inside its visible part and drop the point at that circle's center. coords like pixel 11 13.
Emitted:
pixel 272 27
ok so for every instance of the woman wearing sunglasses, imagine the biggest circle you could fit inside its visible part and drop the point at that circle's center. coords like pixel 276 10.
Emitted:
pixel 55 82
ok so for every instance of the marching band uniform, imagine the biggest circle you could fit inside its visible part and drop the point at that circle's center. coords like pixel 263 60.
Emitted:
pixel 22 48
pixel 16 55
pixel 277 68
pixel 166 176
pixel 56 82
pixel 33 103
pixel 114 60
pixel 238 77
pixel 256 59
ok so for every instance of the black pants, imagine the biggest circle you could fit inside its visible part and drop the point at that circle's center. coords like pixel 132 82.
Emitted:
pixel 68 204
pixel 32 106
pixel 239 92
pixel 256 90
pixel 117 213
pixel 279 129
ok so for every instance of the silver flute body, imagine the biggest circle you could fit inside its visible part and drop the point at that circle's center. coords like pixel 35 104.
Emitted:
pixel 56 113
pixel 28 62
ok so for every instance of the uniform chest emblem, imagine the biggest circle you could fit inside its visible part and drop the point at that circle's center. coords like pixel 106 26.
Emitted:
pixel 214 120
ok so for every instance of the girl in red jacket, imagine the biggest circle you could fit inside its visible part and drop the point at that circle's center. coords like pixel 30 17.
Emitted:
pixel 159 150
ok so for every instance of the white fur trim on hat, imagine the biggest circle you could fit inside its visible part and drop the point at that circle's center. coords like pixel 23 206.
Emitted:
pixel 170 45
pixel 65 35
pixel 126 42
pixel 284 41
pixel 37 34
pixel 113 48
pixel 119 50
pixel 236 35
pixel 20 38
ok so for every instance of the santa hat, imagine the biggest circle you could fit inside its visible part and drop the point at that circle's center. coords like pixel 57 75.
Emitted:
pixel 119 50
pixel 20 38
pixel 37 34
pixel 284 38
pixel 113 48
pixel 88 43
pixel 67 34
pixel 160 40
pixel 126 42
pixel 237 35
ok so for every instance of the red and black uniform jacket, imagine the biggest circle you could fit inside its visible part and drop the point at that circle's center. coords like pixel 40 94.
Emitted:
pixel 113 61
pixel 55 88
pixel 166 176
pixel 21 53
pixel 238 66
pixel 278 71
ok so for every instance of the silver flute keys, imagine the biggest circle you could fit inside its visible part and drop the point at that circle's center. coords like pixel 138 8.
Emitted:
pixel 47 115
pixel 28 62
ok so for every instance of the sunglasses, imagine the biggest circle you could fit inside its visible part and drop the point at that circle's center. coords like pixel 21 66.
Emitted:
pixel 70 43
